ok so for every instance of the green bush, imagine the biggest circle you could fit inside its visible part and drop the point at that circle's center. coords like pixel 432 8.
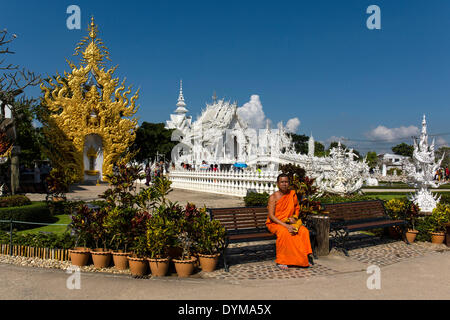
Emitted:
pixel 254 199
pixel 329 199
pixel 424 225
pixel 40 240
pixel 14 201
pixel 35 212
pixel 445 197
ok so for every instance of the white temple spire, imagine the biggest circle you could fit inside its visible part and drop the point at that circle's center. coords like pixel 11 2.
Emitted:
pixel 424 125
pixel 181 104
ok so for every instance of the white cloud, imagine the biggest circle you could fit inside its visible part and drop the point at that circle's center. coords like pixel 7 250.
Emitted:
pixel 440 142
pixel 252 112
pixel 390 134
pixel 336 139
pixel 292 125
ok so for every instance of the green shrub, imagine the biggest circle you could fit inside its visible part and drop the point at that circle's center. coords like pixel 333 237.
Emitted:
pixel 329 199
pixel 40 240
pixel 35 212
pixel 445 197
pixel 254 199
pixel 14 201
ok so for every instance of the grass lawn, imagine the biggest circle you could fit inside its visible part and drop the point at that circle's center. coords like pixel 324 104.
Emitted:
pixel 386 196
pixel 396 185
pixel 59 219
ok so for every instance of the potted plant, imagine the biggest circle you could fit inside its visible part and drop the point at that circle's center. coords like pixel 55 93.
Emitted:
pixel 101 256
pixel 411 214
pixel 80 228
pixel 185 263
pixel 138 259
pixel 438 219
pixel 209 237
pixel 117 221
pixel 396 209
pixel 160 232
pixel 138 233
pixel 122 206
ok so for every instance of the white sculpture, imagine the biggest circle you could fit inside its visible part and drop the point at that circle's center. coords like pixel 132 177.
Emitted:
pixel 421 171
pixel 346 175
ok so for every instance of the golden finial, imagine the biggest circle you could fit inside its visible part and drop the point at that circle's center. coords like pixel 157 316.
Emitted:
pixel 92 29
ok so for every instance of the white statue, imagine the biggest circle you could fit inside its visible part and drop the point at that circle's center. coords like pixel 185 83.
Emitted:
pixel 421 171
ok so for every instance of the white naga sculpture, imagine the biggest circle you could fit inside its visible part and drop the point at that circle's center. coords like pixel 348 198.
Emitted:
pixel 421 171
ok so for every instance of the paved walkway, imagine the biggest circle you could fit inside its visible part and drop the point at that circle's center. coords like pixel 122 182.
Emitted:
pixel 420 273
pixel 210 200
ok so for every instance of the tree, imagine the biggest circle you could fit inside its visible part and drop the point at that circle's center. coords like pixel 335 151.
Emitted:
pixel 152 138
pixel 300 142
pixel 403 149
pixel 319 149
pixel 446 162
pixel 13 82
pixel 372 159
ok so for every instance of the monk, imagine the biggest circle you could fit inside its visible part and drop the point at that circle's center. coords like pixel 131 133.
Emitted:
pixel 293 247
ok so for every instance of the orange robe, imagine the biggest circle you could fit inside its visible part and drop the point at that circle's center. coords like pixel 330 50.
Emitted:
pixel 291 249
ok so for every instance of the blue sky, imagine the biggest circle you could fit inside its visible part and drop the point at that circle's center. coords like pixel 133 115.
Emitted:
pixel 314 60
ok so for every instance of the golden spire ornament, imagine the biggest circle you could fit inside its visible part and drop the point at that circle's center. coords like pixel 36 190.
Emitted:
pixel 89 106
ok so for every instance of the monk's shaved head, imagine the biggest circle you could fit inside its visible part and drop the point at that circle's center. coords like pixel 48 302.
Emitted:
pixel 283 175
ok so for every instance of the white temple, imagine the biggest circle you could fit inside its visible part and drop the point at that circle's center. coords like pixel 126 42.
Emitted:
pixel 220 136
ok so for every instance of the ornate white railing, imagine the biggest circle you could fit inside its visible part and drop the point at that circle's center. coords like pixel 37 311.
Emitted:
pixel 224 182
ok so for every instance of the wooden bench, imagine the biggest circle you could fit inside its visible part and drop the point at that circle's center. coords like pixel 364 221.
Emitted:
pixel 358 216
pixel 243 224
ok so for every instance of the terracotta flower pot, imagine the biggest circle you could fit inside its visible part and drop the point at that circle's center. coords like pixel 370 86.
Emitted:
pixel 120 259
pixel 411 235
pixel 79 256
pixel 184 267
pixel 101 258
pixel 138 266
pixel 159 267
pixel 437 237
pixel 208 262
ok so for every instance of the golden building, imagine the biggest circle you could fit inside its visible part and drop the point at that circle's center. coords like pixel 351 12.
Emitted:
pixel 90 113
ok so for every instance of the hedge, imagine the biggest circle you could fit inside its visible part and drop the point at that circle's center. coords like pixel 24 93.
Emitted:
pixel 254 199
pixel 35 212
pixel 40 240
pixel 14 201
pixel 329 199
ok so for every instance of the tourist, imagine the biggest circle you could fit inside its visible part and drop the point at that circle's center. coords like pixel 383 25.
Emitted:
pixel 37 174
pixel 157 171
pixel 215 169
pixel 148 175
pixel 292 248
pixel 447 173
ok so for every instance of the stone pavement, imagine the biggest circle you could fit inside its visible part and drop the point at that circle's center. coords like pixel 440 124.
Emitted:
pixel 257 261
pixel 422 275
pixel 210 200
